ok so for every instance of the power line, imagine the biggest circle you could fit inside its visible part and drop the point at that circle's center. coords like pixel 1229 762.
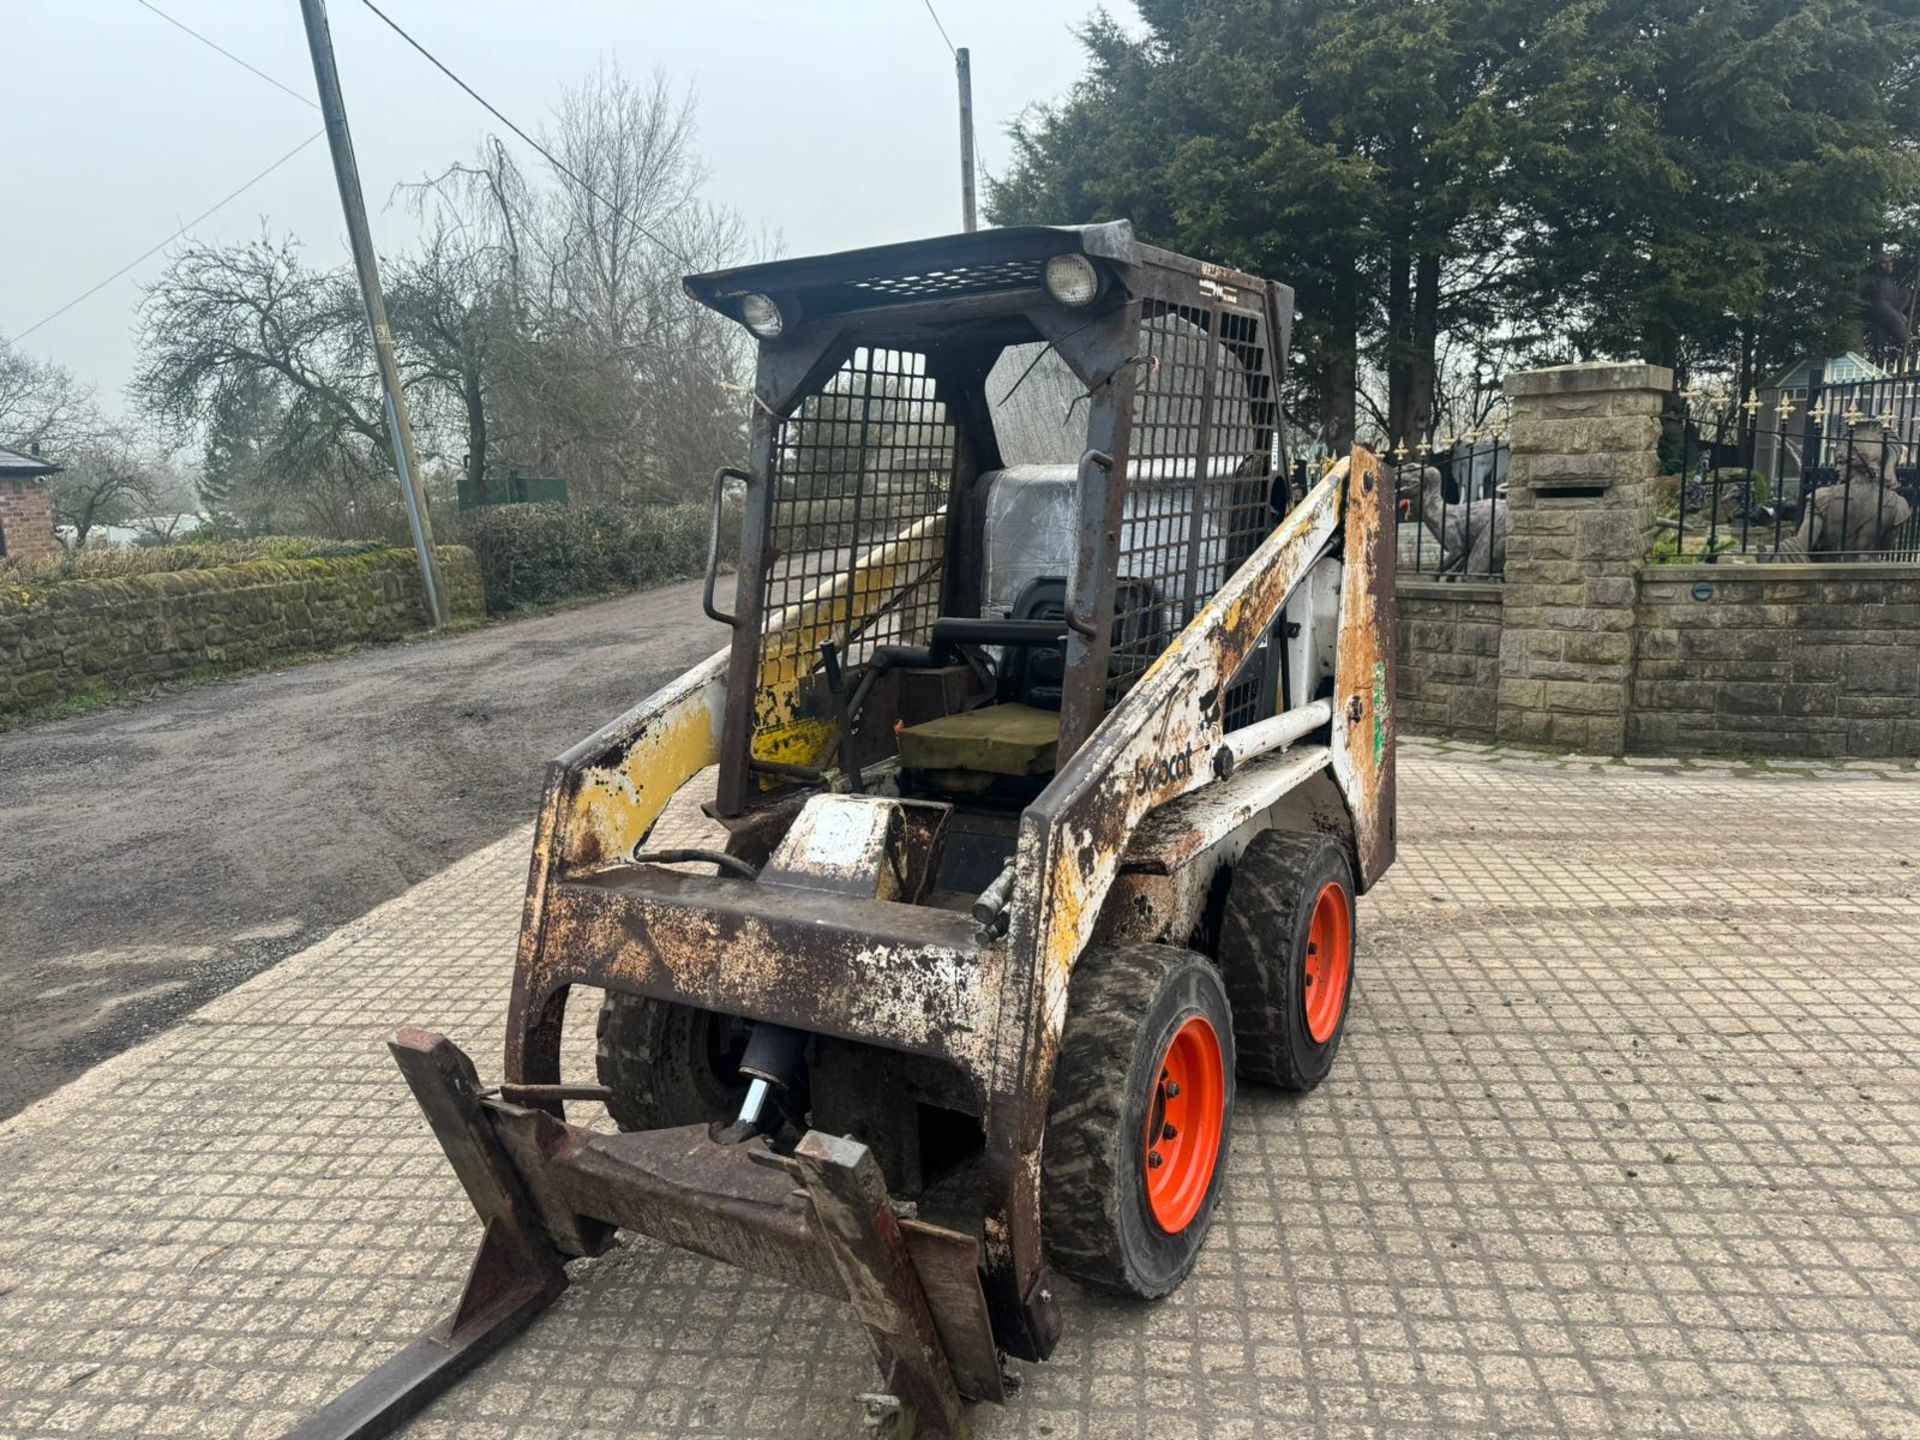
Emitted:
pixel 217 205
pixel 212 45
pixel 938 26
pixel 547 154
pixel 979 164
pixel 148 254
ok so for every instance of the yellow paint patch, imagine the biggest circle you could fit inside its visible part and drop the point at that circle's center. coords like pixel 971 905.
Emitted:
pixel 791 648
pixel 804 742
pixel 617 803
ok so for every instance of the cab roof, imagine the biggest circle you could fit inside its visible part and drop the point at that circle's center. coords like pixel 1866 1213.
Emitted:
pixel 913 271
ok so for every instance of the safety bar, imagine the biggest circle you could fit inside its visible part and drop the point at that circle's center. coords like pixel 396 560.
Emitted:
pixel 952 630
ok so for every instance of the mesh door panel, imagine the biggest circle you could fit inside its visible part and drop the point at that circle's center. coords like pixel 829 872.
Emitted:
pixel 1199 476
pixel 858 524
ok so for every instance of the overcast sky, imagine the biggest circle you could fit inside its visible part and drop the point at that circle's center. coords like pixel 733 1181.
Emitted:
pixel 829 121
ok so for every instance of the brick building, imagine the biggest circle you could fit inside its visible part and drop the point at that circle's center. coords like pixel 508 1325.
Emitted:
pixel 26 505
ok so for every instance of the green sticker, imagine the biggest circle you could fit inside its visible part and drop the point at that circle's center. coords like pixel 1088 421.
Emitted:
pixel 1380 717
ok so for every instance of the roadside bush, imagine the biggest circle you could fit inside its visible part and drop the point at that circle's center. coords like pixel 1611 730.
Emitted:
pixel 538 554
pixel 114 562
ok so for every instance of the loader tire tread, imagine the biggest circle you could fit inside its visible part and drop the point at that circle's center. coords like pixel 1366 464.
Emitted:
pixel 1094 1229
pixel 651 1054
pixel 1274 881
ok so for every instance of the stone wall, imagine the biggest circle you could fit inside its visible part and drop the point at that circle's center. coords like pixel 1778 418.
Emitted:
pixel 26 518
pixel 1727 659
pixel 1600 651
pixel 1778 659
pixel 101 634
pixel 1448 666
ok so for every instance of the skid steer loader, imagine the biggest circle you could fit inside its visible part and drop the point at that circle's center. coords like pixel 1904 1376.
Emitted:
pixel 938 916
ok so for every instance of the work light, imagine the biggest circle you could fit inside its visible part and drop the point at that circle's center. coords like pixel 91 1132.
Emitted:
pixel 762 316
pixel 1072 280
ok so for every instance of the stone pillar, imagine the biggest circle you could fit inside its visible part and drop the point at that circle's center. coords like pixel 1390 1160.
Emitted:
pixel 1579 524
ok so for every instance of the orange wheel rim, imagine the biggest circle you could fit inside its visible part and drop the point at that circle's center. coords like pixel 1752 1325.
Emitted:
pixel 1329 961
pixel 1184 1125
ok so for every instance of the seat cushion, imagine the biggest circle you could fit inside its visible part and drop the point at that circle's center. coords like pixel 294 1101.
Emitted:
pixel 993 740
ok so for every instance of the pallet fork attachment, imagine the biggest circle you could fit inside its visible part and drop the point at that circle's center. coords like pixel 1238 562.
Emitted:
pixel 548 1192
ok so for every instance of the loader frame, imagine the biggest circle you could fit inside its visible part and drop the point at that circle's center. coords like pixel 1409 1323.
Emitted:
pixel 1160 767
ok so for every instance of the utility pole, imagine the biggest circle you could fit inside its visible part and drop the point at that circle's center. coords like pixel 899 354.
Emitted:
pixel 963 70
pixel 327 79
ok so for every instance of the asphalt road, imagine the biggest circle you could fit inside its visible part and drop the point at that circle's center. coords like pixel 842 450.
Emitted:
pixel 158 853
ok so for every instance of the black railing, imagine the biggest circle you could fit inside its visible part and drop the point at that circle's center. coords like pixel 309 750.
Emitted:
pixel 1827 472
pixel 1452 507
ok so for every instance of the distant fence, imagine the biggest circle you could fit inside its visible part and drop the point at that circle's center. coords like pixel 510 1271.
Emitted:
pixel 1451 505
pixel 1450 496
pixel 1585 644
pixel 1810 470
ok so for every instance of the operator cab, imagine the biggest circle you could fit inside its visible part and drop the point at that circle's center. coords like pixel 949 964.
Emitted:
pixel 992 477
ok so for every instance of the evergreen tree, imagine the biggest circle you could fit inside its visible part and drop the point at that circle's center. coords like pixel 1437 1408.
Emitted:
pixel 1683 181
pixel 1706 183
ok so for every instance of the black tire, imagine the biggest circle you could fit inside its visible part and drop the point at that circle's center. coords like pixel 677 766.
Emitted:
pixel 1124 1009
pixel 1264 935
pixel 667 1064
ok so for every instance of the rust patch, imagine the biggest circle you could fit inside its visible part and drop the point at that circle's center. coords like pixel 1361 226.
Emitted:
pixel 1363 724
pixel 906 977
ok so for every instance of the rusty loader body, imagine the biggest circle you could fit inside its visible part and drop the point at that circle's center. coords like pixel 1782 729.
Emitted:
pixel 937 917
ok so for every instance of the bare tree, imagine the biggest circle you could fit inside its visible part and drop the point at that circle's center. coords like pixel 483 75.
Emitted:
pixel 267 362
pixel 460 309
pixel 107 481
pixel 222 318
pixel 653 402
pixel 541 327
pixel 545 325
pixel 454 321
pixel 42 404
pixel 630 172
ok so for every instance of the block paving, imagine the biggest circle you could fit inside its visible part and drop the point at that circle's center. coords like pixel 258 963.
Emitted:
pixel 1624 1141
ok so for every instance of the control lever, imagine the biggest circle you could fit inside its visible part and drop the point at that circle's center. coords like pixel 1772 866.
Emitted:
pixel 849 745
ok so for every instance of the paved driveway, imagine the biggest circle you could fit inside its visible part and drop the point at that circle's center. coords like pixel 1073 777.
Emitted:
pixel 154 855
pixel 1625 1142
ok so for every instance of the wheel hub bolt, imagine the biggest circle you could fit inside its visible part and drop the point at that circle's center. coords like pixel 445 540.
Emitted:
pixel 1167 1132
pixel 1153 1160
pixel 1173 1090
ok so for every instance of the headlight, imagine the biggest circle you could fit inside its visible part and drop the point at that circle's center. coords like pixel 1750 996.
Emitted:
pixel 1072 280
pixel 762 316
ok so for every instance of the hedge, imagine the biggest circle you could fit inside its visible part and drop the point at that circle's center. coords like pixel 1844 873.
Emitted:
pixel 538 554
